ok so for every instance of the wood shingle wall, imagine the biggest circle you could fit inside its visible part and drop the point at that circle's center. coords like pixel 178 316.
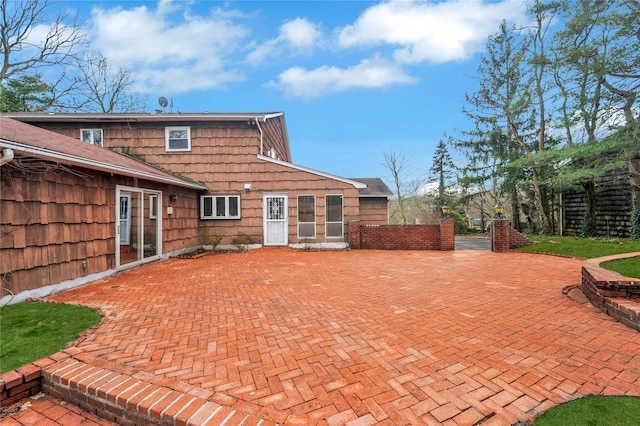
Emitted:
pixel 58 224
pixel 374 211
pixel 55 226
pixel 224 156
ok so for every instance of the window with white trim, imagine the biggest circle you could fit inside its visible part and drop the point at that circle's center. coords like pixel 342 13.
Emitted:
pixel 177 138
pixel 220 207
pixel 333 216
pixel 92 136
pixel 306 216
pixel 153 206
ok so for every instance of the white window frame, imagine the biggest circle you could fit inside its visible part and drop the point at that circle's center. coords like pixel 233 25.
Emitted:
pixel 92 136
pixel 326 216
pixel 153 206
pixel 167 132
pixel 315 215
pixel 214 199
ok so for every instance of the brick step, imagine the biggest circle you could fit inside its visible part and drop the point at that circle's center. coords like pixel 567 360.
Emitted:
pixel 627 311
pixel 127 399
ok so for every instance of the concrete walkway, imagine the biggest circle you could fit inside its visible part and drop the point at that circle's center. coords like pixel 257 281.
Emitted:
pixel 357 337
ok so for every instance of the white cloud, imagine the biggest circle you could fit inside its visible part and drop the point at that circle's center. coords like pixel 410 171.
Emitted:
pixel 300 33
pixel 369 73
pixel 298 36
pixel 168 50
pixel 436 32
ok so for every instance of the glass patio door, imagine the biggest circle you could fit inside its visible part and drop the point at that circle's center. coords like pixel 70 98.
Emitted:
pixel 139 226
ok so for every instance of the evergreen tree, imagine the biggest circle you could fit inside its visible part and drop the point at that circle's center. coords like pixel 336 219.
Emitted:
pixel 25 93
pixel 500 106
pixel 442 170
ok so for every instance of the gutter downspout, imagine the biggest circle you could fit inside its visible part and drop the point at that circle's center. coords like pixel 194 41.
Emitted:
pixel 7 156
pixel 261 135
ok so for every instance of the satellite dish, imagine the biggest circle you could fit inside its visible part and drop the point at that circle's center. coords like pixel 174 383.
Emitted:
pixel 163 101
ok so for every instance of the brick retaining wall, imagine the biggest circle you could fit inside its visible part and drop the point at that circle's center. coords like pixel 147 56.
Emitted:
pixel 505 238
pixel 402 237
pixel 26 381
pixel 611 292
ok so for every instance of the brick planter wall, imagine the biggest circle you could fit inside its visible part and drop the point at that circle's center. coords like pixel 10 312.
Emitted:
pixel 25 381
pixel 505 238
pixel 402 237
pixel 516 239
pixel 612 293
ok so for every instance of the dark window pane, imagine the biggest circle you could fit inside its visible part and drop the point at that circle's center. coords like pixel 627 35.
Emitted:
pixel 334 208
pixel 306 208
pixel 220 206
pixel 208 206
pixel 233 206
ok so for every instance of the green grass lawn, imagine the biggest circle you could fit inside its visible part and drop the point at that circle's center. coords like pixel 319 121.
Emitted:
pixel 594 410
pixel 588 248
pixel 629 267
pixel 585 248
pixel 33 330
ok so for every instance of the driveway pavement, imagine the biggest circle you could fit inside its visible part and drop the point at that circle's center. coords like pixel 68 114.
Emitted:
pixel 472 243
pixel 363 337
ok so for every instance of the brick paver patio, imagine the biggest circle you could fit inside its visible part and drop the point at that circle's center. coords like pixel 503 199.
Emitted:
pixel 361 337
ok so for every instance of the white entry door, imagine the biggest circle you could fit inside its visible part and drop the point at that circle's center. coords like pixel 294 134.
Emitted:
pixel 276 220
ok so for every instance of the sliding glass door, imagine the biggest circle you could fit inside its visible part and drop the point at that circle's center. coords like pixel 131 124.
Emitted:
pixel 139 226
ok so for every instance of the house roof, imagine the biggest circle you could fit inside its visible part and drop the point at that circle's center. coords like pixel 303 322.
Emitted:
pixel 141 116
pixel 274 126
pixel 357 184
pixel 34 141
pixel 375 188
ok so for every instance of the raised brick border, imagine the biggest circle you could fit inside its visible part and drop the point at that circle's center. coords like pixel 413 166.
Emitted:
pixel 616 295
pixel 402 237
pixel 25 381
pixel 116 395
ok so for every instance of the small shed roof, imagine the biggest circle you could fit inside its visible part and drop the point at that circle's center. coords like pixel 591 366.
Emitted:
pixel 375 188
pixel 34 141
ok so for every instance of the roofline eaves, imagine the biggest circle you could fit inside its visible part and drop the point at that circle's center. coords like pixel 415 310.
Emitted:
pixel 358 185
pixel 97 165
pixel 141 117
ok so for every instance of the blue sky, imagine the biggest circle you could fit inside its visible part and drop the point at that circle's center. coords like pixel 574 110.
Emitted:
pixel 355 79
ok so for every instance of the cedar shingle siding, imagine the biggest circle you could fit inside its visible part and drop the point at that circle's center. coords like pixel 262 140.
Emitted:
pixel 224 156
pixel 51 221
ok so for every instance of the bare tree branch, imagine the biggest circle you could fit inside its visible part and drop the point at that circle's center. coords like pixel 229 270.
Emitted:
pixel 21 50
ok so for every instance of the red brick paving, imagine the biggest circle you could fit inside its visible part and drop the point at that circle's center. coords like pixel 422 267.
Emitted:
pixel 48 411
pixel 359 337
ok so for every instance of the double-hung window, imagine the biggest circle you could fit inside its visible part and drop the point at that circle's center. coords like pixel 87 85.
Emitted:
pixel 220 207
pixel 92 136
pixel 178 138
pixel 333 216
pixel 306 216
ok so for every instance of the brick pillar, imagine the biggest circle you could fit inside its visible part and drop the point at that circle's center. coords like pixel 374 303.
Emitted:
pixel 354 234
pixel 447 235
pixel 500 232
